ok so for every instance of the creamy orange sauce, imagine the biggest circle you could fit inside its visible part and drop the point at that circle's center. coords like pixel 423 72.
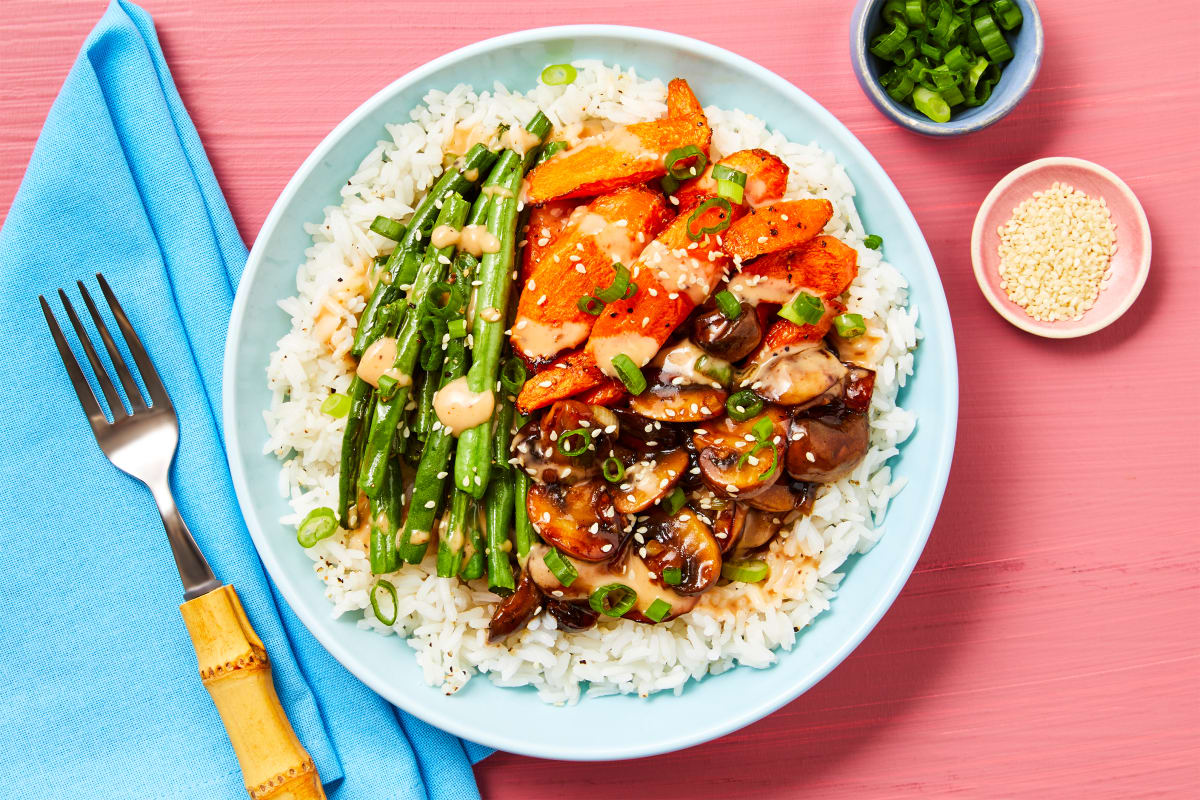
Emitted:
pixel 379 359
pixel 614 239
pixel 861 351
pixel 678 270
pixel 459 409
pixel 755 289
pixel 538 340
pixel 463 139
pixel 639 348
pixel 474 239
pixel 520 140
pixel 679 361
pixel 795 374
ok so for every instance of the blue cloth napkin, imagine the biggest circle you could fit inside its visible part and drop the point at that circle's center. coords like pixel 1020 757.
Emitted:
pixel 99 692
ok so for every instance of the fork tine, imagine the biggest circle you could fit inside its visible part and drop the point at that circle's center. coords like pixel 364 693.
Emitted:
pixel 82 390
pixel 136 401
pixel 115 406
pixel 154 385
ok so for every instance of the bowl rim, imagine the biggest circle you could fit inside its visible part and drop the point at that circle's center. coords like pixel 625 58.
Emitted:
pixel 1051 330
pixel 859 56
pixel 924 514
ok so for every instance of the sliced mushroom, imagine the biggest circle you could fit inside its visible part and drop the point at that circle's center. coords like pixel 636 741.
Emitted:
pixel 858 388
pixel 729 339
pixel 514 612
pixel 649 480
pixel 729 434
pixel 536 445
pixel 795 375
pixel 827 443
pixel 785 496
pixel 571 615
pixel 667 402
pixel 755 530
pixel 685 542
pixel 862 350
pixel 641 435
pixel 636 575
pixel 579 520
pixel 729 462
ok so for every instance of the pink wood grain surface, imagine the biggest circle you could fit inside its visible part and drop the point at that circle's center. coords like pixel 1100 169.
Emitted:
pixel 1047 644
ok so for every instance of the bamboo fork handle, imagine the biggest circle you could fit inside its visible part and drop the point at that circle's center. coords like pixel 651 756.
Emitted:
pixel 237 674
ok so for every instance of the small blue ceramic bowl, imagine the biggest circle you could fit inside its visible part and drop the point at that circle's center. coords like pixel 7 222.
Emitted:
pixel 1019 74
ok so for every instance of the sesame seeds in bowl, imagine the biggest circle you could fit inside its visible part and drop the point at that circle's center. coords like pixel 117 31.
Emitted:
pixel 1061 247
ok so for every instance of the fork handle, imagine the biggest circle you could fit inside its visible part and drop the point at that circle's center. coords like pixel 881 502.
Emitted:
pixel 237 674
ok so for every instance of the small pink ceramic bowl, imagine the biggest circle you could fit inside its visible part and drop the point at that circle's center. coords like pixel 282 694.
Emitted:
pixel 1130 263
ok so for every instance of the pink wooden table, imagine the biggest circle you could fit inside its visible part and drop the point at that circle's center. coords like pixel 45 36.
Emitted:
pixel 1048 641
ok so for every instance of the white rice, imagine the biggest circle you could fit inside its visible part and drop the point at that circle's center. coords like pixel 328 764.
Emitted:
pixel 445 621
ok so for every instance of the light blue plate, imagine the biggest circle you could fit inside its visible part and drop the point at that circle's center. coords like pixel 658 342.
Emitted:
pixel 610 727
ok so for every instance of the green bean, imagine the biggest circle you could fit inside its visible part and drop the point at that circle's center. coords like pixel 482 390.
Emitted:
pixel 424 416
pixel 453 540
pixel 539 126
pixel 385 518
pixel 408 345
pixel 401 266
pixel 473 557
pixel 499 504
pixel 523 533
pixel 361 401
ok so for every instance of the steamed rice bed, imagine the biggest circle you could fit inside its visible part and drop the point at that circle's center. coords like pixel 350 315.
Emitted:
pixel 445 620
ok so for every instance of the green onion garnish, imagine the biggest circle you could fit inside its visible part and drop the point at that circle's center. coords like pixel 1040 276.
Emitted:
pixel 722 224
pixel 743 405
pixel 629 373
pixel 672 576
pixel 564 571
pixel 443 300
pixel 873 242
pixel 762 429
pixel 731 183
pixel 387 586
pixel 657 610
pixel 914 11
pixel 674 501
pixel 745 571
pixel 931 104
pixel 336 405
pixel 720 371
pixel 590 305
pixel 680 171
pixel 850 326
pixel 386 226
pixel 669 185
pixel 559 75
pixel 457 328
pixel 613 469
pixel 513 375
pixel 803 309
pixel 319 524
pixel 1007 14
pixel 617 289
pixel 613 599
pixel 754 451
pixel 584 441
pixel 728 304
pixel 387 387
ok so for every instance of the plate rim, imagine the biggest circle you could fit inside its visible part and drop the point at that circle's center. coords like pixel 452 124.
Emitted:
pixel 924 515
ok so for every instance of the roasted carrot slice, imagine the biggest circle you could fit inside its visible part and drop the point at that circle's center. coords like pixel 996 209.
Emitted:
pixel 674 274
pixel 784 332
pixel 623 156
pixel 544 225
pixel 766 179
pixel 609 393
pixel 681 100
pixel 825 266
pixel 779 226
pixel 612 228
pixel 573 373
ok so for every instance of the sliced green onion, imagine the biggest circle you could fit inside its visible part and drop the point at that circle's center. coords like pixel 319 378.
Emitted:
pixel 803 309
pixel 669 184
pixel 762 429
pixel 387 586
pixel 386 387
pixel 616 290
pixel 680 171
pixel 657 610
pixel 897 83
pixel 850 326
pixel 443 300
pixel 993 40
pixel 336 405
pixel 873 242
pixel 894 10
pixel 559 75
pixel 731 183
pixel 914 12
pixel 386 226
pixel 754 451
pixel 550 150
pixel 674 501
pixel 715 368
pixel 457 328
pixel 590 305
pixel 432 355
pixel 1007 14
pixel 931 104
pixel 629 373
pixel 885 44
pixel 319 524
pixel 613 469
pixel 728 304
pixel 904 53
pixel 745 571
pixel 563 570
pixel 932 51
pixel 712 202
pixel 613 600
pixel 743 405
pixel 958 59
pixel 672 576
pixel 630 291
pixel 513 375
pixel 584 440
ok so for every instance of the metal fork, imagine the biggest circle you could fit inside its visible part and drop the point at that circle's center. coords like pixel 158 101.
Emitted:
pixel 141 441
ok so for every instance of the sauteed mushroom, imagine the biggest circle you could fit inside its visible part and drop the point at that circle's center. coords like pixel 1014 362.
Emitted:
pixel 754 530
pixel 785 496
pixel 728 463
pixel 544 449
pixel 793 376
pixel 730 339
pixel 580 520
pixel 514 612
pixel 827 443
pixel 649 480
pixel 683 542
pixel 642 435
pixel 667 402
pixel 571 615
